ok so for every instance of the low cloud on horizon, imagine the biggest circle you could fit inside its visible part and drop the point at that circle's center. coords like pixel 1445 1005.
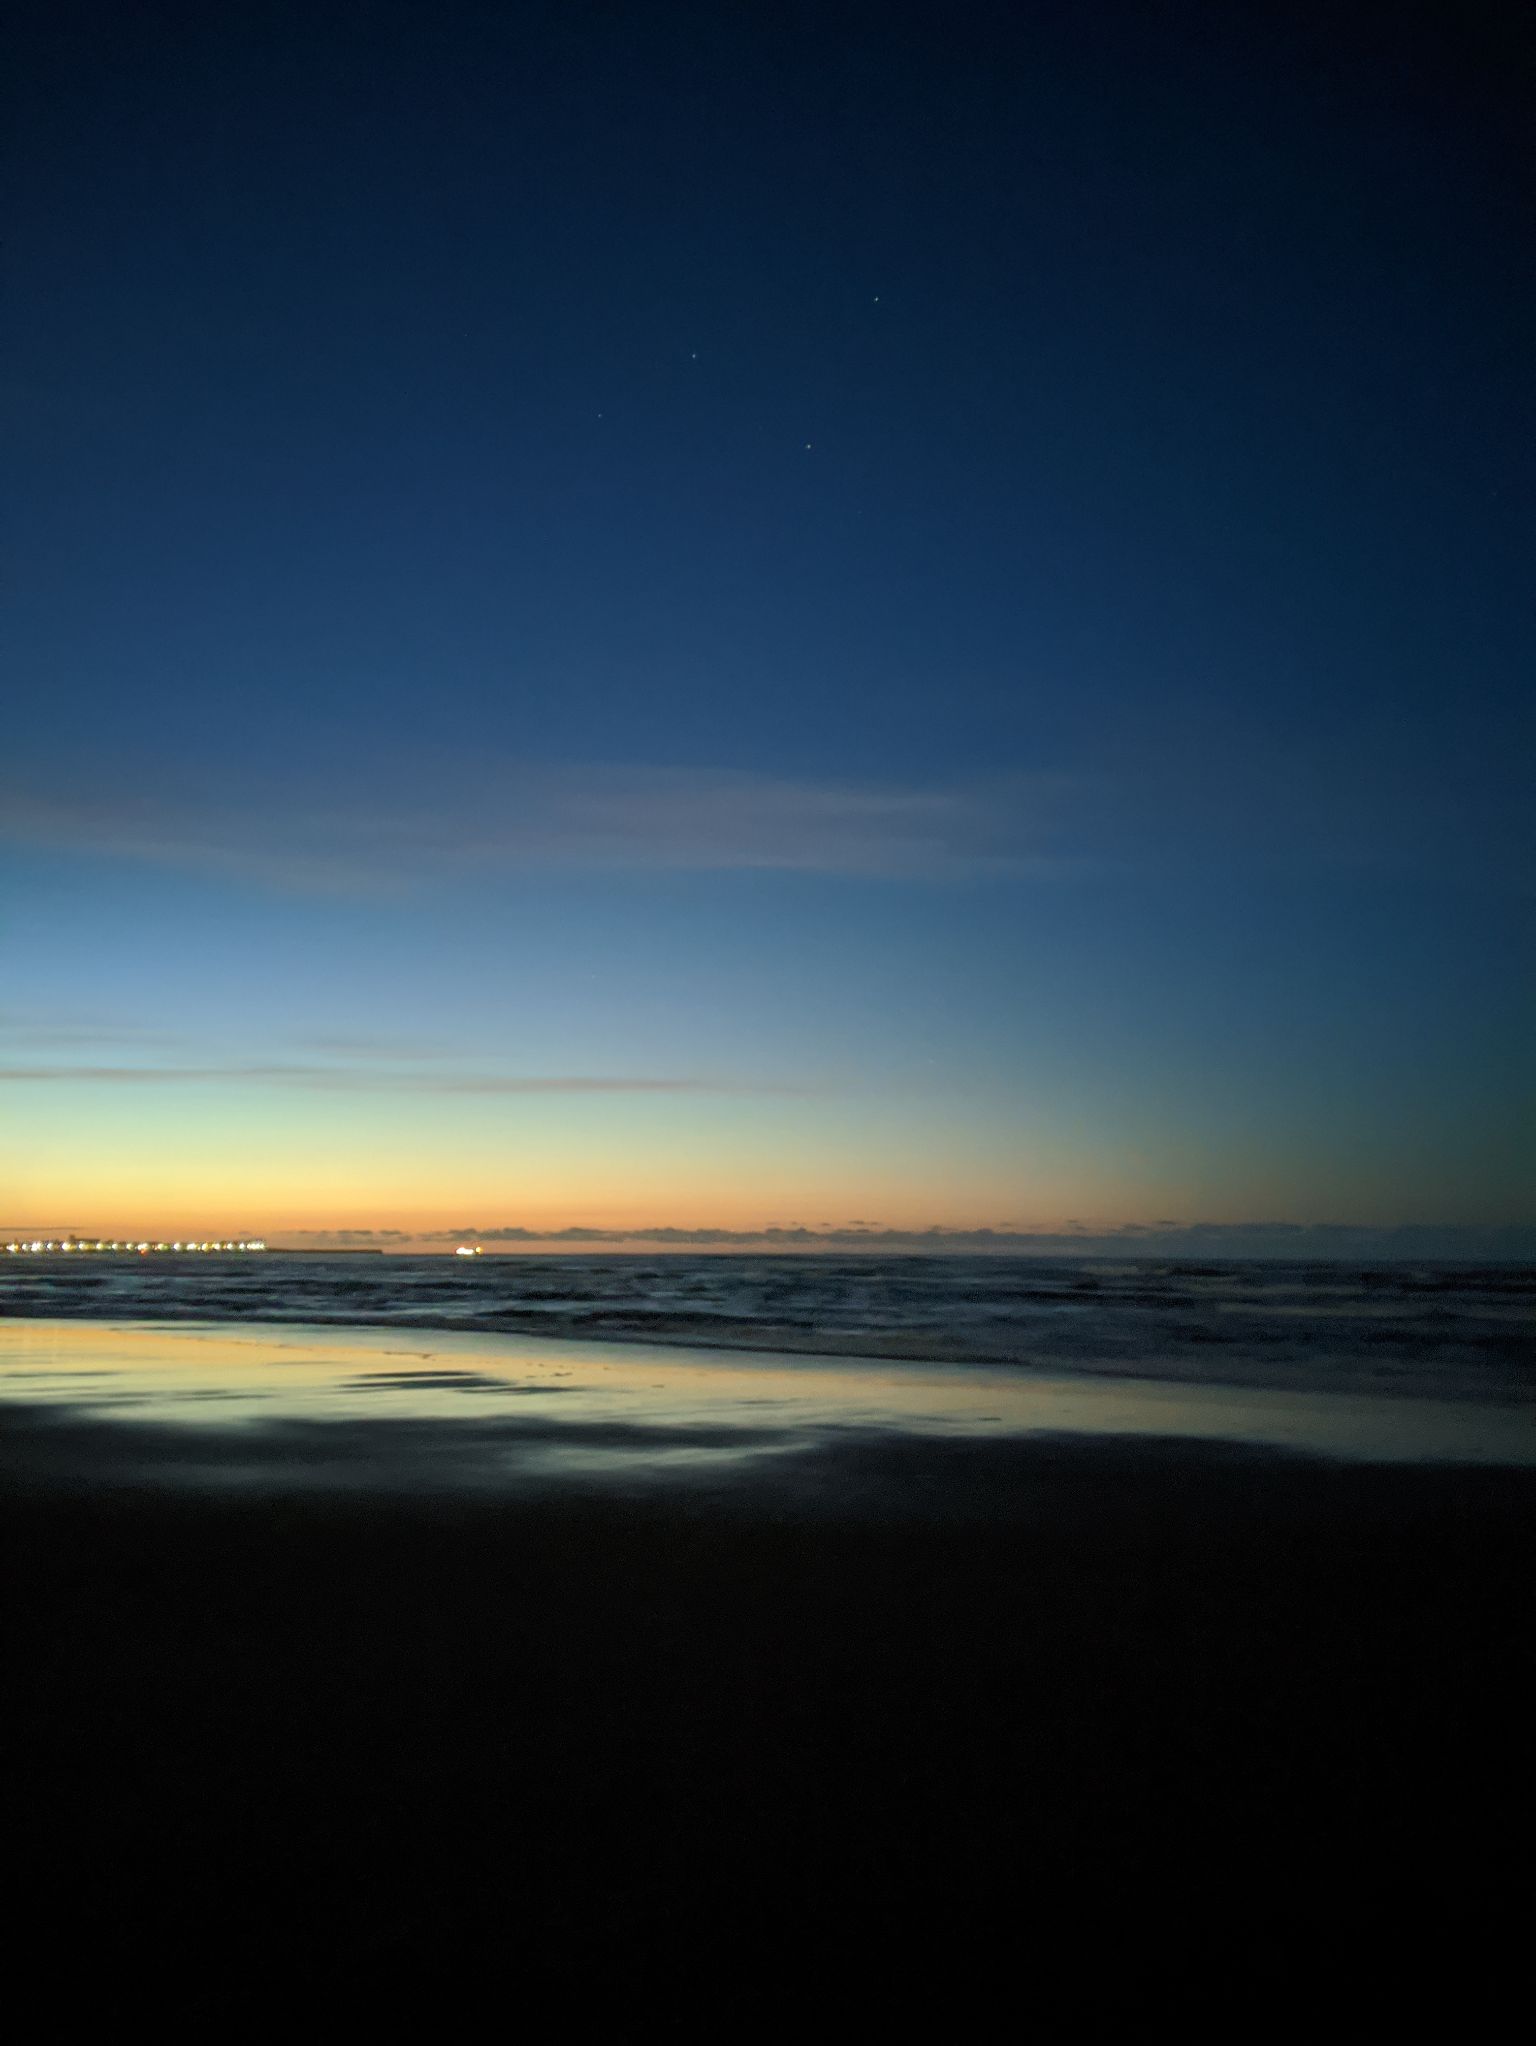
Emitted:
pixel 1304 1241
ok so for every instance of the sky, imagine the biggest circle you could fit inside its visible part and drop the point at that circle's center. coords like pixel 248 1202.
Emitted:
pixel 719 620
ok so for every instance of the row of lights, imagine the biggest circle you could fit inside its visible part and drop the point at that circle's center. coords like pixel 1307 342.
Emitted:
pixel 75 1243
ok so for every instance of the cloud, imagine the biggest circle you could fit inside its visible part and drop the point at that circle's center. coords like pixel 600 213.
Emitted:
pixel 352 1239
pixel 348 1063
pixel 596 817
pixel 371 1080
pixel 53 1031
pixel 1192 1241
pixel 1174 795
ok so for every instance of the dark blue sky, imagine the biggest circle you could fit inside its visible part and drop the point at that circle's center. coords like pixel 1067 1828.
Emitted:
pixel 977 554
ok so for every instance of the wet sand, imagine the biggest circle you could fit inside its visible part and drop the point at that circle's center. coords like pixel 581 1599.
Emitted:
pixel 1165 1688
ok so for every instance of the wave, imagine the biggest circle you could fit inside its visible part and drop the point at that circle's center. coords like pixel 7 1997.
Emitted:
pixel 1455 1331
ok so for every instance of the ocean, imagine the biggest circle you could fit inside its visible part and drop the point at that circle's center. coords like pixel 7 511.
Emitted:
pixel 796 1384
pixel 1438 1330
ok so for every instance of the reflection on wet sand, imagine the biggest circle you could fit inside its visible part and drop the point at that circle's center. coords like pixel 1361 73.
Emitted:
pixel 617 1652
pixel 244 1403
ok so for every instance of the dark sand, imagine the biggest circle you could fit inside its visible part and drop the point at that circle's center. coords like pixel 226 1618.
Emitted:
pixel 1166 1689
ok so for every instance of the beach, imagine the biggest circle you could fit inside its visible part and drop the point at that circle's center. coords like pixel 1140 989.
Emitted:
pixel 765 1071
pixel 924 1692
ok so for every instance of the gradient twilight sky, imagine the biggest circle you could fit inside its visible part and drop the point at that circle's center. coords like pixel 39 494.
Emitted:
pixel 705 618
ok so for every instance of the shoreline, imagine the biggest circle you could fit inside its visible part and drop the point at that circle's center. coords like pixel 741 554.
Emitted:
pixel 301 1407
pixel 1513 1391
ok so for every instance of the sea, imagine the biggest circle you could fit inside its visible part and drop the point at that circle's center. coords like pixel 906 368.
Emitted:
pixel 1447 1331
pixel 775 1381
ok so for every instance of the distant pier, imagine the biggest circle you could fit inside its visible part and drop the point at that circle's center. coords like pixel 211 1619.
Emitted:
pixel 101 1246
